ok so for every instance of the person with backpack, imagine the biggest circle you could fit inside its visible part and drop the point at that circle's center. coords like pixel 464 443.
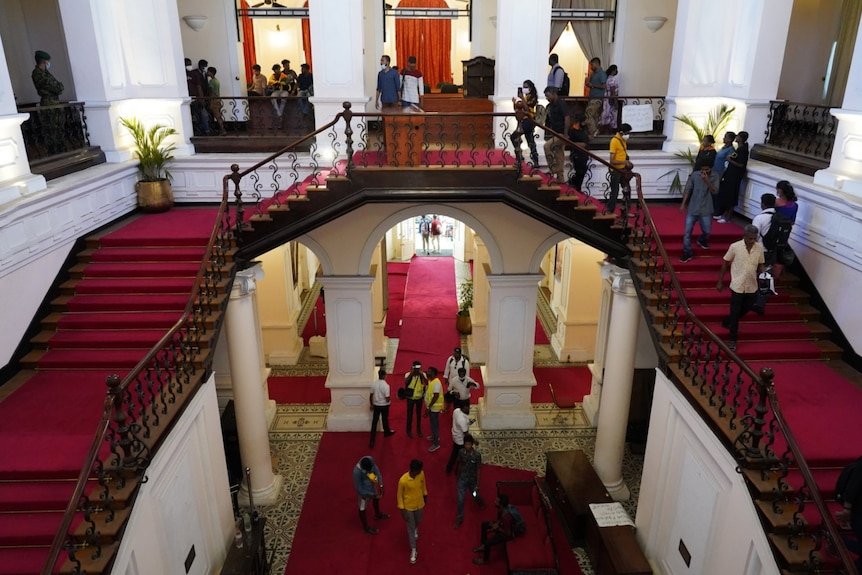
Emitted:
pixel 596 84
pixel 848 492
pixel 509 524
pixel 425 232
pixel 557 76
pixel 775 227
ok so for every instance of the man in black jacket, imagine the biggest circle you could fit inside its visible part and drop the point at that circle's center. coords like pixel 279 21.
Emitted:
pixel 557 120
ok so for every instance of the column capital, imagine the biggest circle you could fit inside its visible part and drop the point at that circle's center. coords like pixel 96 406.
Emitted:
pixel 621 279
pixel 346 281
pixel 513 280
pixel 245 282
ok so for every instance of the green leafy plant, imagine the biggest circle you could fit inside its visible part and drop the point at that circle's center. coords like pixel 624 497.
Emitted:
pixel 152 154
pixel 715 124
pixel 465 297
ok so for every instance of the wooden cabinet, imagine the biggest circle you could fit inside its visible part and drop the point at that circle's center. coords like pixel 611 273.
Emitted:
pixel 478 77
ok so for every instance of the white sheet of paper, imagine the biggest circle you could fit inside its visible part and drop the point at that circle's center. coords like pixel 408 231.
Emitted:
pixel 639 117
pixel 610 514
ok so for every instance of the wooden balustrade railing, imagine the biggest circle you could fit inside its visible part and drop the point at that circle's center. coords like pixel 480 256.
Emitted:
pixel 741 406
pixel 141 408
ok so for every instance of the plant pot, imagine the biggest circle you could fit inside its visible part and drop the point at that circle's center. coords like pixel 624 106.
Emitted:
pixel 463 323
pixel 155 197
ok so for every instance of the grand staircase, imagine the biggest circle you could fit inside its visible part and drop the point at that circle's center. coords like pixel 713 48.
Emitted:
pixel 88 333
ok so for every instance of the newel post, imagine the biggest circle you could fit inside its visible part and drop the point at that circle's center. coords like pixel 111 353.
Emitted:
pixel 348 134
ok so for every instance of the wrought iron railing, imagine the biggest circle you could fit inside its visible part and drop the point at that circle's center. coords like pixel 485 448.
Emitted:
pixel 252 117
pixel 740 405
pixel 804 129
pixel 374 140
pixel 54 130
pixel 140 410
pixel 578 104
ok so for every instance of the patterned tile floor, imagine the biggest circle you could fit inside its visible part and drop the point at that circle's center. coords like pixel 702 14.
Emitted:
pixel 297 430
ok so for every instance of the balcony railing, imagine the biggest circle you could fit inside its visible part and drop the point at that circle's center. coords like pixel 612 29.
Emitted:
pixel 56 139
pixel 578 105
pixel 798 136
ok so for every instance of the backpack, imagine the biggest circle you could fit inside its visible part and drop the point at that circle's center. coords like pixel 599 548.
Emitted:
pixel 779 232
pixel 520 524
pixel 844 480
pixel 423 228
pixel 566 85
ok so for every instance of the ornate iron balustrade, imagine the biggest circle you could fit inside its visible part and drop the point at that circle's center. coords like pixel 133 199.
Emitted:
pixel 54 130
pixel 741 406
pixel 252 116
pixel 578 105
pixel 803 129
pixel 140 410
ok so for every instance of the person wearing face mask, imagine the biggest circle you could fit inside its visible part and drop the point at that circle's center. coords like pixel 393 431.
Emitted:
pixel 460 386
pixel 528 99
pixel 388 85
pixel 48 87
pixel 198 88
pixel 728 187
pixel 620 161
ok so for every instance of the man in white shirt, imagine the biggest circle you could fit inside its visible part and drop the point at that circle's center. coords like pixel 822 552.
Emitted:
pixel 412 87
pixel 460 387
pixel 763 220
pixel 455 362
pixel 460 426
pixel 379 401
pixel 745 260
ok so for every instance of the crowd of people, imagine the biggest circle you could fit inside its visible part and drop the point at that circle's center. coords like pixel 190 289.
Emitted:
pixel 425 389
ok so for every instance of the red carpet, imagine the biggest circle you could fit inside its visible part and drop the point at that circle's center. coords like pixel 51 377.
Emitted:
pixel 329 537
pixel 298 389
pixel 567 381
pixel 541 337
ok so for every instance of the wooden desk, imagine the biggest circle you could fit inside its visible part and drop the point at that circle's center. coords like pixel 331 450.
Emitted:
pixel 250 559
pixel 574 485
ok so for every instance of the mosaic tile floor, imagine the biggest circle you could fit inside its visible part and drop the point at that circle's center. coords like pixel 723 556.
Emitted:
pixel 297 430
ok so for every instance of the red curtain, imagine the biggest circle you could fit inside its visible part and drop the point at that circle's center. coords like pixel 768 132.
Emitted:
pixel 248 51
pixel 429 40
pixel 306 39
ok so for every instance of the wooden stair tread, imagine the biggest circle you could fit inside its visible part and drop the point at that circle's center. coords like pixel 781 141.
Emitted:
pixel 88 564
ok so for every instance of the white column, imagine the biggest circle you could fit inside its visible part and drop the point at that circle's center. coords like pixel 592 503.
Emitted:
pixel 379 344
pixel 249 397
pixel 127 61
pixel 342 61
pixel 597 367
pixel 16 180
pixel 478 340
pixel 739 66
pixel 523 29
pixel 616 396
pixel 508 373
pixel 845 169
pixel 351 356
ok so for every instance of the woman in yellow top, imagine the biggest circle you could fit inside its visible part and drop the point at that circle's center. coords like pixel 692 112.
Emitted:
pixel 620 161
pixel 412 496
pixel 528 99
pixel 435 403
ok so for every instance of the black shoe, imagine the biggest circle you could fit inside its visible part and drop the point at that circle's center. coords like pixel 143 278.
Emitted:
pixel 685 258
pixel 410 435
pixel 703 244
pixel 731 345
pixel 381 516
pixel 371 530
pixel 389 433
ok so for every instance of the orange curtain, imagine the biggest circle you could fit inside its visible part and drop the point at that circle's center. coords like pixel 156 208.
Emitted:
pixel 306 39
pixel 248 51
pixel 429 40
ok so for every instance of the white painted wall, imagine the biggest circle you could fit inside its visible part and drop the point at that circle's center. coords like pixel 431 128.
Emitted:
pixel 185 501
pixel 813 28
pixel 643 57
pixel 691 493
pixel 216 42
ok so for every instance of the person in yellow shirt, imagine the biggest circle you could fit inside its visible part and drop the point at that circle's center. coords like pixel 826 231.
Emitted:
pixel 434 403
pixel 620 161
pixel 415 381
pixel 412 496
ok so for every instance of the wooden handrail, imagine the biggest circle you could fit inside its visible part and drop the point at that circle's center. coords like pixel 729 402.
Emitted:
pixel 767 389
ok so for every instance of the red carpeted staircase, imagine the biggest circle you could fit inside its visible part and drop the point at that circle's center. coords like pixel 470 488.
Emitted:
pixel 128 288
pixel 818 394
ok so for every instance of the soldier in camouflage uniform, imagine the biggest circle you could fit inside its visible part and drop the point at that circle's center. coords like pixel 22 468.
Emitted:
pixel 49 89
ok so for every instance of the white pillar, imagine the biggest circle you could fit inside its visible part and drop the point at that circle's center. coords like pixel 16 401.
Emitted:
pixel 478 340
pixel 592 401
pixel 16 180
pixel 380 343
pixel 739 66
pixel 126 60
pixel 508 373
pixel 845 168
pixel 351 355
pixel 341 61
pixel 249 397
pixel 616 396
pixel 523 29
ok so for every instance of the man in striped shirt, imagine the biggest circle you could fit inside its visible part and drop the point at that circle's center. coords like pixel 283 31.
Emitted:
pixel 412 87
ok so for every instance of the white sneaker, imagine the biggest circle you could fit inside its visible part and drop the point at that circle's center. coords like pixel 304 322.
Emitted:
pixel 413 555
pixel 416 535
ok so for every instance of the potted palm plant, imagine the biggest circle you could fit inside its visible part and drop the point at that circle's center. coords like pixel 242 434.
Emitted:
pixel 154 185
pixel 715 124
pixel 463 323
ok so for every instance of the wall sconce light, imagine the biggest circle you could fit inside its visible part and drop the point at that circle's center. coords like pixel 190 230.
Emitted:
pixel 196 23
pixel 278 27
pixel 654 23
